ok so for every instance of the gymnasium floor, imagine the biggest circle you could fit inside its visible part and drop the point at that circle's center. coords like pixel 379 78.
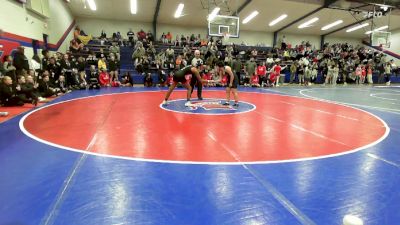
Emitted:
pixel 288 155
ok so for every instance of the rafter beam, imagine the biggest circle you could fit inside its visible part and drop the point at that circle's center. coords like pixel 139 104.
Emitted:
pixel 155 19
pixel 241 8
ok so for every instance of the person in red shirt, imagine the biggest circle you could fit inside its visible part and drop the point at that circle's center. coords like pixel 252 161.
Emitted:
pixel 363 74
pixel 276 73
pixel 261 72
pixel 104 78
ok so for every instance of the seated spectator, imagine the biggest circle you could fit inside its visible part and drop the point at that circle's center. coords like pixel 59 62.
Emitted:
pixel 115 82
pixel 8 93
pixel 148 80
pixel 91 58
pixel 93 78
pixel 61 85
pixel 162 78
pixel 46 89
pixel 31 84
pixel 26 92
pixel 81 36
pixel 102 64
pixel 127 80
pixel 75 47
pixel 104 78
pixel 150 36
pixel 114 48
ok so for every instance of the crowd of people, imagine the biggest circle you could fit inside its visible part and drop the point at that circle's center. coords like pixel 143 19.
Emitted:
pixel 32 81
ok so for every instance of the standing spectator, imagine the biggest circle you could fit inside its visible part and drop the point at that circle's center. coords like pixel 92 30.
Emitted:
pixel 261 73
pixel 237 68
pixel 293 70
pixel 8 68
pixel 45 59
pixel 369 74
pixel 113 67
pixel 358 74
pixel 250 69
pixel 363 74
pixel 277 71
pixel 168 36
pixel 93 78
pixel 21 62
pixel 54 69
pixel 388 73
pixel 66 69
pixel 131 35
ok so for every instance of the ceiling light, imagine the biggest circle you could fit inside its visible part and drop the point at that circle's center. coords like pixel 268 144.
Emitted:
pixel 213 14
pixel 377 29
pixel 308 23
pixel 329 26
pixel 277 20
pixel 92 4
pixel 357 27
pixel 179 10
pixel 250 17
pixel 133 6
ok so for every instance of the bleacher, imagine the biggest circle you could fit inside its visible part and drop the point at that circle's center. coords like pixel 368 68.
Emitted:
pixel 126 63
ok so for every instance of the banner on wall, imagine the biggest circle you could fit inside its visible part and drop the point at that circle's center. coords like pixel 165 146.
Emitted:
pixel 7 47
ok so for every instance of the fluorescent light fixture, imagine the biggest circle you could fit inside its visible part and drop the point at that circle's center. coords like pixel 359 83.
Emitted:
pixel 329 26
pixel 277 20
pixel 377 29
pixel 357 27
pixel 92 4
pixel 250 17
pixel 178 12
pixel 308 23
pixel 213 14
pixel 133 6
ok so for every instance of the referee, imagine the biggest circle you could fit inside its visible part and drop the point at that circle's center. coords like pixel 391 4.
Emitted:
pixel 197 62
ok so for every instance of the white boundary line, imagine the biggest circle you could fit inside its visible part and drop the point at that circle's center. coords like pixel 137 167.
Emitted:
pixel 210 114
pixel 396 111
pixel 391 99
pixel 21 125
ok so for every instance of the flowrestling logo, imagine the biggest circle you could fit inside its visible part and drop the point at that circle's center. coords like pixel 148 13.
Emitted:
pixel 208 107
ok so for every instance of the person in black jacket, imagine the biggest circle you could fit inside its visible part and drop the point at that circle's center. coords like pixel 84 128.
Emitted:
pixel 8 93
pixel 45 88
pixel 21 61
pixel 26 91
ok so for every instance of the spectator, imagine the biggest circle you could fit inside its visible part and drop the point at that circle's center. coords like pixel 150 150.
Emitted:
pixel 113 67
pixel 21 63
pixel 131 35
pixel 93 78
pixel 45 88
pixel 8 68
pixel 26 92
pixel 104 78
pixel 8 93
pixel 102 64
pixel 168 36
pixel 127 80
pixel 148 80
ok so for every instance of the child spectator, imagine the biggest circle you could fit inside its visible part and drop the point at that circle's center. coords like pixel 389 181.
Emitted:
pixel 93 78
pixel 127 80
pixel 104 78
